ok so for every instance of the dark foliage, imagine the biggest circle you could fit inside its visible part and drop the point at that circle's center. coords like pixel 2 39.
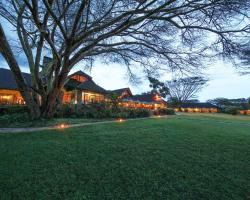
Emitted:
pixel 164 111
pixel 14 117
pixel 13 110
pixel 100 111
pixel 183 89
pixel 158 87
pixel 233 110
pixel 223 103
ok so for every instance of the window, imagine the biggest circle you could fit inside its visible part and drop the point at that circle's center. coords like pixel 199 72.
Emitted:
pixel 11 97
pixel 88 97
pixel 79 78
pixel 67 97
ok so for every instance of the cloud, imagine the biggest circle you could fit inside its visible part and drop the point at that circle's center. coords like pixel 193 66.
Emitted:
pixel 225 82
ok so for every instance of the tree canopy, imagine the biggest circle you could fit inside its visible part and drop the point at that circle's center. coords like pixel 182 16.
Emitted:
pixel 241 103
pixel 183 89
pixel 158 87
pixel 176 34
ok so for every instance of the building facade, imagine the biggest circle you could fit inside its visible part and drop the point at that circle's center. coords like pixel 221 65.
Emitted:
pixel 79 89
pixel 9 93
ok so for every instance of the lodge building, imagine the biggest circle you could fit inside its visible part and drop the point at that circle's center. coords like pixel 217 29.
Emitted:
pixel 79 89
pixel 198 107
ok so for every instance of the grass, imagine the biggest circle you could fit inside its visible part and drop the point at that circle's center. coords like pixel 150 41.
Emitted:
pixel 183 157
pixel 218 116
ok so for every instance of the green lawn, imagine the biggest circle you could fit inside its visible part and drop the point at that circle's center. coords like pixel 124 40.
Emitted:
pixel 182 157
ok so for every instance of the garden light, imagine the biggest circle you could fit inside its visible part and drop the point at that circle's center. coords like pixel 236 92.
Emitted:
pixel 120 120
pixel 62 126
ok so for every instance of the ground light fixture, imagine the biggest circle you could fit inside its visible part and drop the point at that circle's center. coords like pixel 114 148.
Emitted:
pixel 62 126
pixel 120 120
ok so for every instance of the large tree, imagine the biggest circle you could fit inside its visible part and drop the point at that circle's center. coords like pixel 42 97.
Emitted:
pixel 174 33
pixel 183 89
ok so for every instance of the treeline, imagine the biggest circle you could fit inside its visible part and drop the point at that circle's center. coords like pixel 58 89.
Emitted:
pixel 241 103
pixel 231 106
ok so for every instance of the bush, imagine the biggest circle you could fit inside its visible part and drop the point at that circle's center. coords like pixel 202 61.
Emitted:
pixel 139 113
pixel 128 113
pixel 170 111
pixel 66 110
pixel 13 110
pixel 14 117
pixel 164 111
pixel 100 111
pixel 233 110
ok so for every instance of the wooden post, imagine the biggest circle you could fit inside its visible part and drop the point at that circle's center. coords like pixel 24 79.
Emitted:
pixel 79 97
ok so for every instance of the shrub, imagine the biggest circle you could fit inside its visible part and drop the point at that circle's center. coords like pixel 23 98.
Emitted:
pixel 100 111
pixel 129 113
pixel 122 114
pixel 64 111
pixel 170 111
pixel 14 117
pixel 13 109
pixel 165 111
pixel 233 110
pixel 139 113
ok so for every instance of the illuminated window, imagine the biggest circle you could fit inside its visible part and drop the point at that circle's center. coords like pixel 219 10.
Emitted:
pixel 89 97
pixel 79 78
pixel 11 97
pixel 66 97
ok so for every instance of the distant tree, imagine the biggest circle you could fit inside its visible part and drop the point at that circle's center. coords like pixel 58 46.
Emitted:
pixel 193 101
pixel 184 89
pixel 158 87
pixel 240 103
pixel 173 102
pixel 114 100
pixel 221 102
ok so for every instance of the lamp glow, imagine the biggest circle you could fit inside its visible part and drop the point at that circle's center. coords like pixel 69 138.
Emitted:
pixel 120 120
pixel 62 126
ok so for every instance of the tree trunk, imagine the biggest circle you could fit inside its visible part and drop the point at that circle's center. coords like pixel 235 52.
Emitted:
pixel 52 102
pixel 49 101
pixel 25 90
